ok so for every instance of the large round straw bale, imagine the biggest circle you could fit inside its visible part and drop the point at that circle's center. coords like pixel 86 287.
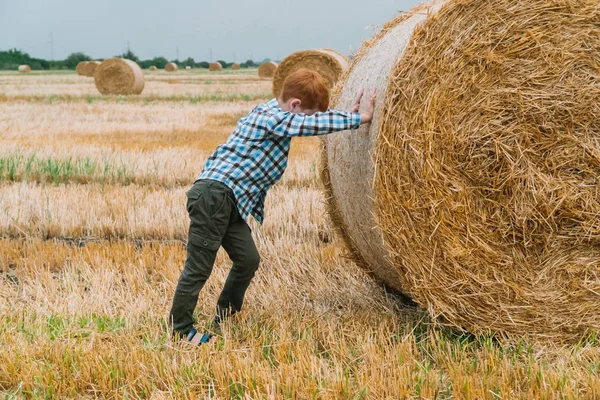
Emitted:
pixel 90 68
pixel 215 66
pixel 119 76
pixel 475 189
pixel 80 67
pixel 24 68
pixel 171 67
pixel 330 64
pixel 187 67
pixel 235 67
pixel 152 68
pixel 267 69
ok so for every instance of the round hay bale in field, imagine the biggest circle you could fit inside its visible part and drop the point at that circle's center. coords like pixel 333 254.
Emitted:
pixel 80 66
pixel 171 67
pixel 187 67
pixel 267 69
pixel 24 68
pixel 119 76
pixel 90 68
pixel 474 190
pixel 235 67
pixel 152 68
pixel 330 64
pixel 215 66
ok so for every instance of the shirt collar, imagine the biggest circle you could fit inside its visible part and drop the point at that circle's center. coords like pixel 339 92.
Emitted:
pixel 274 104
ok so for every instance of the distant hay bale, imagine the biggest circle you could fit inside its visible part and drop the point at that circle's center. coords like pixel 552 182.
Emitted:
pixel 267 69
pixel 330 64
pixel 119 76
pixel 24 68
pixel 90 68
pixel 171 67
pixel 80 66
pixel 235 67
pixel 215 66
pixel 188 67
pixel 474 189
pixel 152 68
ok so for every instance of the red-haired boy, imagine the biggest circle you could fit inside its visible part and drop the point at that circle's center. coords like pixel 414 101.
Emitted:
pixel 233 186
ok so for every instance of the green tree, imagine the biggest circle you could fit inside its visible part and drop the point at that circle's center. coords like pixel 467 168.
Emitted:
pixel 75 58
pixel 129 56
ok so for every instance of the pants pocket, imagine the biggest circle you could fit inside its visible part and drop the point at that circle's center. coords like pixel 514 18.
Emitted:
pixel 199 239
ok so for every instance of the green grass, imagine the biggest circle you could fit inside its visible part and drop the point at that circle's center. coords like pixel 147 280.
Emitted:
pixel 20 168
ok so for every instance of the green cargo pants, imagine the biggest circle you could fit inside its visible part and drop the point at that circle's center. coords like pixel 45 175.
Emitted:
pixel 214 222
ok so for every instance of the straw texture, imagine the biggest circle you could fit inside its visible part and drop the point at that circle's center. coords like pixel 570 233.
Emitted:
pixel 89 69
pixel 346 162
pixel 329 63
pixel 483 165
pixel 215 66
pixel 119 76
pixel 267 69
pixel 24 68
pixel 80 66
pixel 171 67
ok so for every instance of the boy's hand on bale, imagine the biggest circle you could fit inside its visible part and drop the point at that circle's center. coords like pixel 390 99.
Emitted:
pixel 356 105
pixel 366 115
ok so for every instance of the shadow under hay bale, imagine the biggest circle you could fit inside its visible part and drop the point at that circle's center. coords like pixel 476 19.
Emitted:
pixel 473 191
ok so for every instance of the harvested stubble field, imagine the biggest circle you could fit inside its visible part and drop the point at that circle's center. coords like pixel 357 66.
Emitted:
pixel 92 227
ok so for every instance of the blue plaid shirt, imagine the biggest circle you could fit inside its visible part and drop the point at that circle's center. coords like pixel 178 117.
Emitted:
pixel 255 155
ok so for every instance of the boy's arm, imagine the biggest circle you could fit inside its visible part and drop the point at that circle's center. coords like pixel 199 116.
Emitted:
pixel 289 124
pixel 322 123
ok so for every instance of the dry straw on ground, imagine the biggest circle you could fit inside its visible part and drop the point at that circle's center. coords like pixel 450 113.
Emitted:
pixel 80 67
pixel 171 67
pixel 267 69
pixel 329 63
pixel 119 76
pixel 152 68
pixel 215 66
pixel 89 69
pixel 24 68
pixel 485 155
pixel 235 67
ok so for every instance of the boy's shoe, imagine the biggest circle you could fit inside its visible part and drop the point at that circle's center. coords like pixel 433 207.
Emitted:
pixel 196 338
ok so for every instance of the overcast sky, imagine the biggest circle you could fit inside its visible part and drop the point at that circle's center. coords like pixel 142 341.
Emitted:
pixel 246 28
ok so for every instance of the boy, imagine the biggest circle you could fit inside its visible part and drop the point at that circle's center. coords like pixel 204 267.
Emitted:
pixel 233 186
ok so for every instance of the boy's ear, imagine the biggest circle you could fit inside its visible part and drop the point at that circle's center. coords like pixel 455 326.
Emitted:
pixel 295 103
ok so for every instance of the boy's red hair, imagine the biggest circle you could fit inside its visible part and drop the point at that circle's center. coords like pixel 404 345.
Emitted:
pixel 308 86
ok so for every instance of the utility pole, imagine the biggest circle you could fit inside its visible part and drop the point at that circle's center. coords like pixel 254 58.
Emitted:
pixel 51 46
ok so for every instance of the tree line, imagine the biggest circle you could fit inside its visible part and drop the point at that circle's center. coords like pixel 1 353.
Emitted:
pixel 11 59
